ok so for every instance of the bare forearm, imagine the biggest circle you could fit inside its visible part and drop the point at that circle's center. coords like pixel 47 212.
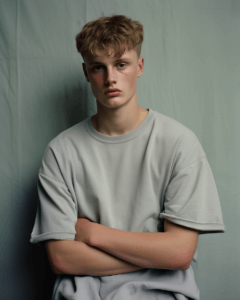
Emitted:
pixel 149 250
pixel 81 259
pixel 161 250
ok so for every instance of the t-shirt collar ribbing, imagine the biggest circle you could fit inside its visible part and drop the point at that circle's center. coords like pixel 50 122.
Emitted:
pixel 119 138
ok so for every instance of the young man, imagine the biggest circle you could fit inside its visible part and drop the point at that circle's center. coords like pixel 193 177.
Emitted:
pixel 124 194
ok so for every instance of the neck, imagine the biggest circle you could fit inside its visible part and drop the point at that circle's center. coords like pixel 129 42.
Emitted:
pixel 117 121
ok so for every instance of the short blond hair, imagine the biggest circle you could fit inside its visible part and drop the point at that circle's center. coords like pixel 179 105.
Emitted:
pixel 116 32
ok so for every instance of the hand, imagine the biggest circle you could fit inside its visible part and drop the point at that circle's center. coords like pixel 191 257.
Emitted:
pixel 83 230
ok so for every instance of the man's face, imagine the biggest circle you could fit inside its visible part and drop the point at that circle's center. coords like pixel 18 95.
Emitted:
pixel 113 72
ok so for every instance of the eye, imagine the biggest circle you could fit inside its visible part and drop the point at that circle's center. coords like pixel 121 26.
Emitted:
pixel 122 64
pixel 97 68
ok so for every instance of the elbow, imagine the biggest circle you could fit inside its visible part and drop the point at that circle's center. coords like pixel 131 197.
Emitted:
pixel 182 261
pixel 56 260
pixel 64 257
pixel 56 270
pixel 186 266
pixel 63 265
pixel 180 266
pixel 185 262
pixel 57 265
pixel 173 264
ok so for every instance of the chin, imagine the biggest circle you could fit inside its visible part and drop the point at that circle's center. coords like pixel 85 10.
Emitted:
pixel 114 102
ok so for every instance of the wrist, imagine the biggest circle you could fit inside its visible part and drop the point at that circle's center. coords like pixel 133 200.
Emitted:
pixel 91 238
pixel 95 234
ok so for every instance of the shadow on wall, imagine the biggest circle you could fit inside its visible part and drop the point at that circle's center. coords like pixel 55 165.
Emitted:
pixel 67 109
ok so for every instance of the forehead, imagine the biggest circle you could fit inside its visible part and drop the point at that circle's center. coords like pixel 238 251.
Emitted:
pixel 109 54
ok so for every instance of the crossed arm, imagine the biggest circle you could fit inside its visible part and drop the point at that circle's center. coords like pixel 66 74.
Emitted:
pixel 99 250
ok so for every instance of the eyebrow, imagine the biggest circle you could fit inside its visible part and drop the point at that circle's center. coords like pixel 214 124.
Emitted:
pixel 100 63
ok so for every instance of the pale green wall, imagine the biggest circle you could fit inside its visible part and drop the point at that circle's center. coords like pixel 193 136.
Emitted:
pixel 192 71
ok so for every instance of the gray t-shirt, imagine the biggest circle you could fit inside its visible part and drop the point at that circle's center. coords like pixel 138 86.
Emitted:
pixel 129 182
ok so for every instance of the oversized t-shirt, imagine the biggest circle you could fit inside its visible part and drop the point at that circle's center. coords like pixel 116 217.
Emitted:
pixel 129 182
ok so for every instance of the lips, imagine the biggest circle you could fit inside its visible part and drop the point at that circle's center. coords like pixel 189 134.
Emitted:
pixel 112 90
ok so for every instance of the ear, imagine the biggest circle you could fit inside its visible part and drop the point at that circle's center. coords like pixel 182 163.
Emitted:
pixel 140 66
pixel 85 71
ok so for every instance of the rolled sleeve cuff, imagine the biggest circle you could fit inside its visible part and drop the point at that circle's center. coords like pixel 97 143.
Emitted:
pixel 202 227
pixel 39 239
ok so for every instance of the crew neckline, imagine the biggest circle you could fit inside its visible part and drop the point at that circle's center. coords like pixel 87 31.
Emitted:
pixel 122 137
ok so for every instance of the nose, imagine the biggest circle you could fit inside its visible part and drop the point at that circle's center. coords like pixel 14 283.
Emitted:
pixel 110 76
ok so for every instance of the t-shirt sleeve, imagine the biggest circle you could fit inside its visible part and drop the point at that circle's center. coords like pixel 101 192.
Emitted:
pixel 56 214
pixel 191 197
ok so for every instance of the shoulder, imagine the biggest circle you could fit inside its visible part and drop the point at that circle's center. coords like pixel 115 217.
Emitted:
pixel 172 128
pixel 178 139
pixel 61 149
pixel 68 137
